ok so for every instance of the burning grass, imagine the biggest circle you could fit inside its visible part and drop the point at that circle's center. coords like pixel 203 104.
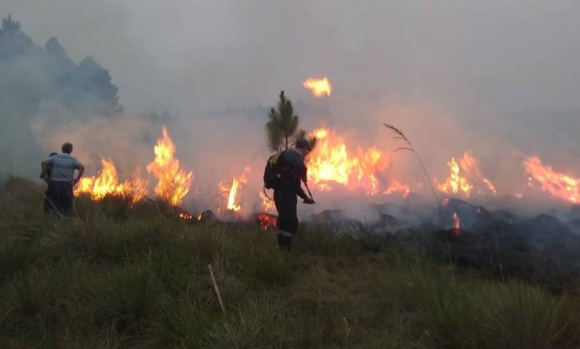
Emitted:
pixel 140 280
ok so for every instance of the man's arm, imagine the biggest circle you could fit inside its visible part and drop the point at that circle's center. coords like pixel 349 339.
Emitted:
pixel 81 169
pixel 44 167
pixel 301 193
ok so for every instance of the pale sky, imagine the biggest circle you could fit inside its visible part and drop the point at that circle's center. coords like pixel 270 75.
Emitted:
pixel 198 55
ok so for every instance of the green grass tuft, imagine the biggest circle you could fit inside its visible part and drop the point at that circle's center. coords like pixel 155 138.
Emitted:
pixel 136 276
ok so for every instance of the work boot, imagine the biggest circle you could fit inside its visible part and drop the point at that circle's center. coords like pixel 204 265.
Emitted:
pixel 285 241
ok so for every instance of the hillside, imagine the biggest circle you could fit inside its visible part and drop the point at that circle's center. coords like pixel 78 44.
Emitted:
pixel 138 277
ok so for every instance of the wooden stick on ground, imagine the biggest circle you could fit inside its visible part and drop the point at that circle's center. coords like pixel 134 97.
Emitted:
pixel 216 288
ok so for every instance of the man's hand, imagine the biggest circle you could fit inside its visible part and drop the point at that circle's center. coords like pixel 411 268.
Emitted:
pixel 309 201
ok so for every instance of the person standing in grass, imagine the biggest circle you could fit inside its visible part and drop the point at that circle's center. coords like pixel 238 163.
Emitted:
pixel 48 206
pixel 292 172
pixel 62 168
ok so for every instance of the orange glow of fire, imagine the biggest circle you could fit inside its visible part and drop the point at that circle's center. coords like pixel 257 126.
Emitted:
pixel 332 162
pixel 462 175
pixel 267 221
pixel 173 183
pixel 232 191
pixel 398 187
pixel 107 183
pixel 319 87
pixel 555 183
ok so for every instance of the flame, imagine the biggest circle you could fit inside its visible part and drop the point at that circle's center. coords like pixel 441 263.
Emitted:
pixel 232 191
pixel 557 184
pixel 107 183
pixel 398 187
pixel 332 162
pixel 456 221
pixel 319 87
pixel 461 173
pixel 173 183
pixel 267 204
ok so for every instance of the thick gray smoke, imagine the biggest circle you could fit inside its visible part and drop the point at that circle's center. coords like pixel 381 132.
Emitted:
pixel 497 78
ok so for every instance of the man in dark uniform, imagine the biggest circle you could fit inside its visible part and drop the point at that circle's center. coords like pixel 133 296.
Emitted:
pixel 292 172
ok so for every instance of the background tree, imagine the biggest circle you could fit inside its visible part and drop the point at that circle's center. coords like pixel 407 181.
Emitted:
pixel 282 127
pixel 44 83
pixel 90 89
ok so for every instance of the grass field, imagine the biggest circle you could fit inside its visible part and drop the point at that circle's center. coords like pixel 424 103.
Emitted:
pixel 137 277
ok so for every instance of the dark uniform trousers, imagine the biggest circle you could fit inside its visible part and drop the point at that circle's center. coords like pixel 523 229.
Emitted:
pixel 286 201
pixel 60 195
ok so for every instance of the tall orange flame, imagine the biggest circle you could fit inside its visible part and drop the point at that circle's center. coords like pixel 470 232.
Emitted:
pixel 173 183
pixel 462 175
pixel 107 183
pixel 319 87
pixel 557 184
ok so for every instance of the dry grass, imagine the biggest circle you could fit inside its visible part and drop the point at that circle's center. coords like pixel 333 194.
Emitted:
pixel 140 280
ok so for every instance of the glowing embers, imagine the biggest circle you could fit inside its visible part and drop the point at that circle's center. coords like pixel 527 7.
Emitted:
pixel 266 220
pixel 557 184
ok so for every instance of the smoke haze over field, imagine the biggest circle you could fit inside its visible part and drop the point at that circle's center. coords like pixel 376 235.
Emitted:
pixel 498 78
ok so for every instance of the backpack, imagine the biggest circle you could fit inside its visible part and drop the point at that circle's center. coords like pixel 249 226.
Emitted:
pixel 272 172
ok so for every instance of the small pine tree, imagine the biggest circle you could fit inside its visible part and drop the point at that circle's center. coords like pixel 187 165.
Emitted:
pixel 282 127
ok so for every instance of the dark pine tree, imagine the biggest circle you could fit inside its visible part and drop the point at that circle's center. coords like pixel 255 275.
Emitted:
pixel 282 127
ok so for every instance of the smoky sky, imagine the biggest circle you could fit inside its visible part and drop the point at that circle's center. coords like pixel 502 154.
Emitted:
pixel 186 55
pixel 499 78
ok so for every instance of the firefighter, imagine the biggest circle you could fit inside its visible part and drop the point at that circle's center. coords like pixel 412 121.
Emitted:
pixel 292 172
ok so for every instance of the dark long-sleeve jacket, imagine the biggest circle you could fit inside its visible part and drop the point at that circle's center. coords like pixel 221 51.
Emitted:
pixel 293 171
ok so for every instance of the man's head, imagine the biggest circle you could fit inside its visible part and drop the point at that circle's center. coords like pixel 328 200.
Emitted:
pixel 303 146
pixel 67 148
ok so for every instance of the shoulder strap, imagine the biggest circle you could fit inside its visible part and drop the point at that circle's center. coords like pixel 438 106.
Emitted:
pixel 274 159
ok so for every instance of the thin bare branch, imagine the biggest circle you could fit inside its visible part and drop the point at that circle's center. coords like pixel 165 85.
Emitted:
pixel 401 136
pixel 403 148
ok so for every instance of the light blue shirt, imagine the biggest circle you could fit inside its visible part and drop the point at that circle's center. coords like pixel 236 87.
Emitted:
pixel 63 167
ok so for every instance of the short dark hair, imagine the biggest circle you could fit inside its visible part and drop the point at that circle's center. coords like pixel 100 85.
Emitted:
pixel 67 147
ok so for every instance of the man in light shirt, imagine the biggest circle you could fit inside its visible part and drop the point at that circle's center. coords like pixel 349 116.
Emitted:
pixel 62 168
